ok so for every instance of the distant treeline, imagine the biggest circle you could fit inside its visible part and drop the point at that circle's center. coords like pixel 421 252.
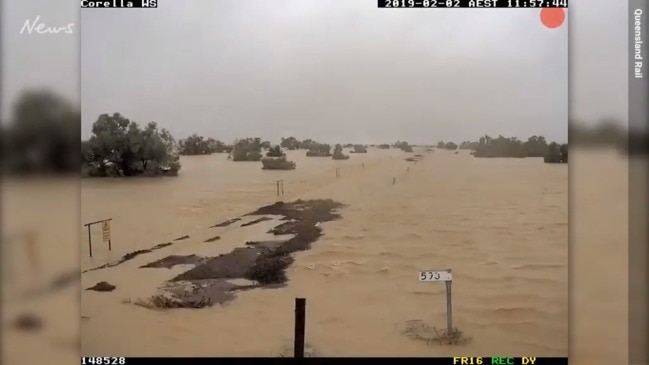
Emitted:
pixel 199 145
pixel 42 136
pixel 535 146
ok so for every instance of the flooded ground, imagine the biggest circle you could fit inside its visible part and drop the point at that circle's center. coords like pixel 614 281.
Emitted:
pixel 500 224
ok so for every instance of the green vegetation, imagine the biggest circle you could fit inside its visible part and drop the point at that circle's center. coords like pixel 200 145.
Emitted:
pixel 119 147
pixel 290 143
pixel 338 153
pixel 248 149
pixel 276 160
pixel 358 148
pixel 511 147
pixel 318 150
pixel 198 145
pixel 275 152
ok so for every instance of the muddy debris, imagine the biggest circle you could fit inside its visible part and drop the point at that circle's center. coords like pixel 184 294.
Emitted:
pixel 272 245
pixel 131 255
pixel 259 220
pixel 226 223
pixel 182 238
pixel 127 257
pixel 215 238
pixel 28 322
pixel 173 260
pixel 102 286
pixel 161 245
pixel 261 263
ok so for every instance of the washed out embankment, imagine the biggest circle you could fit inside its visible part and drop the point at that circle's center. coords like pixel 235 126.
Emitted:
pixel 262 263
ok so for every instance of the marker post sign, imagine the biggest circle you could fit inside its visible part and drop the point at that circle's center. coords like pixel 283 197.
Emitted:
pixel 447 277
pixel 105 230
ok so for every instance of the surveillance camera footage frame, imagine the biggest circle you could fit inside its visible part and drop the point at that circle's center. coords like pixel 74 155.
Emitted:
pixel 51 37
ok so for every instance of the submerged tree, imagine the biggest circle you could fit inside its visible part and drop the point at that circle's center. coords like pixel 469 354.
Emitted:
pixel 556 153
pixel 276 160
pixel 358 148
pixel 535 146
pixel 451 146
pixel 42 135
pixel 248 149
pixel 338 153
pixel 290 143
pixel 274 152
pixel 404 146
pixel 120 147
pixel 319 150
pixel 198 145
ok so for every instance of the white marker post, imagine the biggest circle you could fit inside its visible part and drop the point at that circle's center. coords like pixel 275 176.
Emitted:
pixel 447 277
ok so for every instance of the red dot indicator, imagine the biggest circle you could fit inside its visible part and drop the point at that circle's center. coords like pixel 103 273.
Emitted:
pixel 553 17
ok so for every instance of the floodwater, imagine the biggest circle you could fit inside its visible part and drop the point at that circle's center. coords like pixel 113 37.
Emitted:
pixel 49 208
pixel 501 225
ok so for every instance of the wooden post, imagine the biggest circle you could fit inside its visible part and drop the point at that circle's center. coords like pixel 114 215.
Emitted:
pixel 394 180
pixel 282 186
pixel 363 164
pixel 90 236
pixel 300 313
pixel 277 183
pixel 449 309
pixel 89 241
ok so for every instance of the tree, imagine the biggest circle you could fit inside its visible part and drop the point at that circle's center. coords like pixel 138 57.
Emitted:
pixel 535 146
pixel 248 149
pixel 338 153
pixel 358 148
pixel 275 152
pixel 318 149
pixel 42 135
pixel 276 160
pixel 404 146
pixel 290 143
pixel 198 145
pixel 119 147
pixel 556 153
pixel 450 146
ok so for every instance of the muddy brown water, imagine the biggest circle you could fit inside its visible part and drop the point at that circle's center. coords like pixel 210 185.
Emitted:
pixel 598 332
pixel 500 224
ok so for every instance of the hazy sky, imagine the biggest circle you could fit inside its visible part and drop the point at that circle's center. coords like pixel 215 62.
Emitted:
pixel 323 69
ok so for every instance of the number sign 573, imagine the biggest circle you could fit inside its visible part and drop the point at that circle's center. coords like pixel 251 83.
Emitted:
pixel 435 276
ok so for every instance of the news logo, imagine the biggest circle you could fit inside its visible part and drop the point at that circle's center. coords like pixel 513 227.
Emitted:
pixel 135 4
